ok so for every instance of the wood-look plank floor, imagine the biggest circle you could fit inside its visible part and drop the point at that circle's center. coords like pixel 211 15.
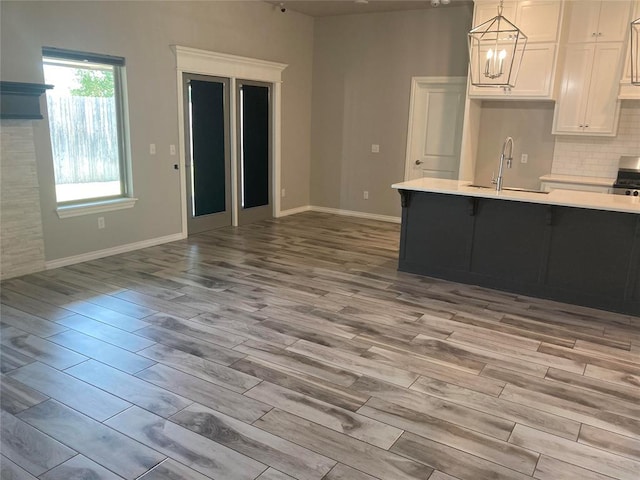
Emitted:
pixel 294 349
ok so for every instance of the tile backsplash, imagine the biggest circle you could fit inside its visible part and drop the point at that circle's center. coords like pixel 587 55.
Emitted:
pixel 598 156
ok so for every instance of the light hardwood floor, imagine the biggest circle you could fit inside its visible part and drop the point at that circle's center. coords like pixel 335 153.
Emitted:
pixel 293 349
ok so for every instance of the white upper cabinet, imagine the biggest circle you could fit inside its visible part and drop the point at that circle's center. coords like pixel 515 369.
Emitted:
pixel 597 21
pixel 587 103
pixel 571 107
pixel 628 91
pixel 594 33
pixel 535 77
pixel 540 21
pixel 486 10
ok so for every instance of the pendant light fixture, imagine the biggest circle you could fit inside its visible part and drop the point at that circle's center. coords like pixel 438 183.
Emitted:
pixel 635 52
pixel 496 48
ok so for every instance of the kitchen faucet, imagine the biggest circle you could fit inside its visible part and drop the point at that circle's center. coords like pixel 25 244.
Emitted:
pixel 508 142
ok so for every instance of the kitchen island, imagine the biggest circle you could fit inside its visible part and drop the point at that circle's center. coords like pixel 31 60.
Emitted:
pixel 571 246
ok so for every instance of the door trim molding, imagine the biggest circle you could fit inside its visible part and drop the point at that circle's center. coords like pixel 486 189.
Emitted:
pixel 417 82
pixel 204 62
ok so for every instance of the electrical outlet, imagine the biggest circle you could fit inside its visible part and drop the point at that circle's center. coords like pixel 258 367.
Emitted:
pixel 283 193
pixel 172 149
pixel 365 195
pixel 375 148
pixel 524 158
pixel 152 149
pixel 100 223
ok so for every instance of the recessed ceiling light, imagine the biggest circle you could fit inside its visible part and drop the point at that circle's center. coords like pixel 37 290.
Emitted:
pixel 360 1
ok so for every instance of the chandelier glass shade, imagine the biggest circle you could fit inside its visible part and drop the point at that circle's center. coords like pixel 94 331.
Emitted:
pixel 496 48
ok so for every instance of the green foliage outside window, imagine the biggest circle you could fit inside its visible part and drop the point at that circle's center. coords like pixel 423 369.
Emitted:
pixel 94 83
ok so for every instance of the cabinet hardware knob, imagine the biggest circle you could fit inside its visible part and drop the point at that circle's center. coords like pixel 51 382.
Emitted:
pixel 419 162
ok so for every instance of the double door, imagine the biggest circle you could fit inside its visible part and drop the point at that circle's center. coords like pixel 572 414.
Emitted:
pixel 228 151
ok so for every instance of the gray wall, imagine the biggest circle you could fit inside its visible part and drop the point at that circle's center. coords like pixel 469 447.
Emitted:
pixel 142 32
pixel 362 69
pixel 529 123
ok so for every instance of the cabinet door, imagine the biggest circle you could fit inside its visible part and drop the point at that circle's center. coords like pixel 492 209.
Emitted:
pixel 539 19
pixel 613 25
pixel 487 10
pixel 590 253
pixel 436 233
pixel 603 105
pixel 514 255
pixel 536 72
pixel 534 78
pixel 592 21
pixel 582 20
pixel 571 105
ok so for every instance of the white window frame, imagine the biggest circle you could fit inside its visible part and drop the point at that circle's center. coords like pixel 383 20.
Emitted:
pixel 87 206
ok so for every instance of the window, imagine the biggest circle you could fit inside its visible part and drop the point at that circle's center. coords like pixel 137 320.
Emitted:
pixel 87 122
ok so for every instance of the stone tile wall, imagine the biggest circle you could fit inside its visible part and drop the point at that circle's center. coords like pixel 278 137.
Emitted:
pixel 21 240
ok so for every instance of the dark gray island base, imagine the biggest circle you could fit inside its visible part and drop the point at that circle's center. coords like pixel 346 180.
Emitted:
pixel 574 255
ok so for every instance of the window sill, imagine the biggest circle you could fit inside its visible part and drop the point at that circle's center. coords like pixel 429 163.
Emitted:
pixel 88 208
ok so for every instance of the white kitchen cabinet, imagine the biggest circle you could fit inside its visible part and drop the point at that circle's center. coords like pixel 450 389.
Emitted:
pixel 550 186
pixel 571 182
pixel 540 21
pixel 535 78
pixel 597 21
pixel 627 90
pixel 587 103
pixel 486 10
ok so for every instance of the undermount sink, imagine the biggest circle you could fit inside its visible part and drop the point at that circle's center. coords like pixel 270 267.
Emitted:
pixel 511 189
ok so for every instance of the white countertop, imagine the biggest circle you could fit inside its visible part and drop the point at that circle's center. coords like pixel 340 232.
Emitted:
pixel 578 180
pixel 566 198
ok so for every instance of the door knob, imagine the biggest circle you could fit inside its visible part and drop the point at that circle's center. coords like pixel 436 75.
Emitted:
pixel 419 162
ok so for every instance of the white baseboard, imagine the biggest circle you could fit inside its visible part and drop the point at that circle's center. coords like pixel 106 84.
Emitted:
pixel 293 211
pixel 353 213
pixel 85 257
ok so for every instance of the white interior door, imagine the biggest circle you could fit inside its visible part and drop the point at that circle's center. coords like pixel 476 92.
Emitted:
pixel 435 127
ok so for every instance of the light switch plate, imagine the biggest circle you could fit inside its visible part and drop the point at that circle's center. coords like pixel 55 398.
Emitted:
pixel 375 148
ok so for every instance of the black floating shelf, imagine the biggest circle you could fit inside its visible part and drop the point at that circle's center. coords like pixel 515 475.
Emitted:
pixel 19 100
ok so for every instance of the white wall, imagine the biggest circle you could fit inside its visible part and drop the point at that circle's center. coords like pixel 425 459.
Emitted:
pixel 142 32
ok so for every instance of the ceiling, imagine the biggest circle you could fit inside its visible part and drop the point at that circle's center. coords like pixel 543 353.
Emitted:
pixel 327 8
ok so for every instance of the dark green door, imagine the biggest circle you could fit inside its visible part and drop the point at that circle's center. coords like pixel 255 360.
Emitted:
pixel 206 106
pixel 254 139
